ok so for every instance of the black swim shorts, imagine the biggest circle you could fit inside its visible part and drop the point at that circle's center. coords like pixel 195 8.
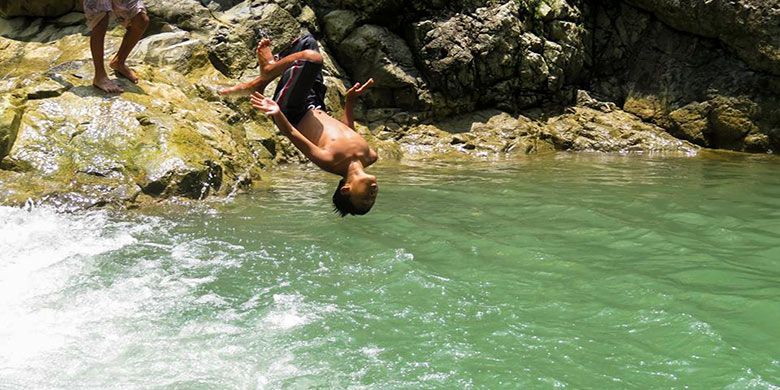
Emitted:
pixel 301 87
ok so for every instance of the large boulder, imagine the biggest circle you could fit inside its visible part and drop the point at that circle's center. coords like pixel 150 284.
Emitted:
pixel 372 51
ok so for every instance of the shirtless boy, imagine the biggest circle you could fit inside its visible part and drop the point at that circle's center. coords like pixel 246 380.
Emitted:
pixel 296 109
pixel 132 15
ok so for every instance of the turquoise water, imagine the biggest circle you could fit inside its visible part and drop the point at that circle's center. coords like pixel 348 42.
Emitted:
pixel 564 271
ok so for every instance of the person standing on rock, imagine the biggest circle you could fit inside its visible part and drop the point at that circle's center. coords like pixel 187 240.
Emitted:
pixel 297 109
pixel 132 15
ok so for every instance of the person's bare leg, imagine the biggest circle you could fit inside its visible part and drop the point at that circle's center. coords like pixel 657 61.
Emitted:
pixel 97 40
pixel 133 34
pixel 270 69
pixel 264 54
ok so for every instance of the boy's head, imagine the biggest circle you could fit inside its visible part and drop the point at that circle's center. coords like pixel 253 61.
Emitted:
pixel 356 196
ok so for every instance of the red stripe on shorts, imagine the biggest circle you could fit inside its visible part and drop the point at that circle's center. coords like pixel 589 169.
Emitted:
pixel 296 70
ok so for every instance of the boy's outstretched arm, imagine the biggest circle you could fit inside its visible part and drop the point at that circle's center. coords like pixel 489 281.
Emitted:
pixel 349 104
pixel 317 155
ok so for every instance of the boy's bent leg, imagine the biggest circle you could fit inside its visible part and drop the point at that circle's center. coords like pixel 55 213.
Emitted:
pixel 136 25
pixel 304 48
pixel 96 43
pixel 275 69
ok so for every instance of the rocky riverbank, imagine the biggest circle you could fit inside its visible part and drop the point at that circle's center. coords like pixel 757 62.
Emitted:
pixel 488 79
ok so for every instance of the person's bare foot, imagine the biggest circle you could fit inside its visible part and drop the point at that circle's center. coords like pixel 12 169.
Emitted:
pixel 107 85
pixel 264 55
pixel 123 70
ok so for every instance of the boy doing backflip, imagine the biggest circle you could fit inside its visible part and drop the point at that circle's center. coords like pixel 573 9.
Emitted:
pixel 132 15
pixel 296 109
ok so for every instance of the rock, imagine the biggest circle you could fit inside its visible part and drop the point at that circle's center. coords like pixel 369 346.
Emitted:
pixel 232 46
pixel 47 8
pixel 375 52
pixel 10 118
pixel 731 122
pixel 188 15
pixel 46 88
pixel 339 24
pixel 176 49
pixel 691 123
pixel 683 83
pixel 482 134
pixel 749 27
pixel 586 129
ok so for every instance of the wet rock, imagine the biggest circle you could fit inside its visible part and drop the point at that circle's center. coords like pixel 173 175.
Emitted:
pixel 176 48
pixel 586 129
pixel 691 123
pixel 483 134
pixel 11 110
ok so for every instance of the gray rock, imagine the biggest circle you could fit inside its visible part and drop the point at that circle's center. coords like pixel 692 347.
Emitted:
pixel 339 24
pixel 177 49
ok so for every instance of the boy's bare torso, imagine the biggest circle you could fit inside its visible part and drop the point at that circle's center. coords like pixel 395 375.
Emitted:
pixel 337 138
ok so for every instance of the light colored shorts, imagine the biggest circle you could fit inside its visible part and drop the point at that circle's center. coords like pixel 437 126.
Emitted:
pixel 123 10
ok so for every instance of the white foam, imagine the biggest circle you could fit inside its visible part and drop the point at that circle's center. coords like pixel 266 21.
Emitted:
pixel 36 247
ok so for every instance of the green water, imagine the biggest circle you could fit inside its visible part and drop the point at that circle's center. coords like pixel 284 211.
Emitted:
pixel 565 271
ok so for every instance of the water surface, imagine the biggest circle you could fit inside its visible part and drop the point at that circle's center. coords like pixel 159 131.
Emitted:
pixel 573 271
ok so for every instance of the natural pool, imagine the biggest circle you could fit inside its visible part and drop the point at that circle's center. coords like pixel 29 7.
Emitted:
pixel 570 270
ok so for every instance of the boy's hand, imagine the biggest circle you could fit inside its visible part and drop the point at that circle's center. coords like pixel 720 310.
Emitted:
pixel 264 104
pixel 359 89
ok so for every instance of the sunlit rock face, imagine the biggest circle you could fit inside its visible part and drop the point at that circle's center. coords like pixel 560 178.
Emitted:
pixel 474 78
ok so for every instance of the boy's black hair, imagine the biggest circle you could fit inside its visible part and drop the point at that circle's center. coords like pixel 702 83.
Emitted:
pixel 342 205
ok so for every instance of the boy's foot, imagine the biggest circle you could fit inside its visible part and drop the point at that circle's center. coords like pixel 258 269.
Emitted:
pixel 123 70
pixel 107 85
pixel 264 55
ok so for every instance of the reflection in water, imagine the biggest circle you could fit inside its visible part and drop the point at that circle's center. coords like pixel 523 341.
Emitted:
pixel 565 270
